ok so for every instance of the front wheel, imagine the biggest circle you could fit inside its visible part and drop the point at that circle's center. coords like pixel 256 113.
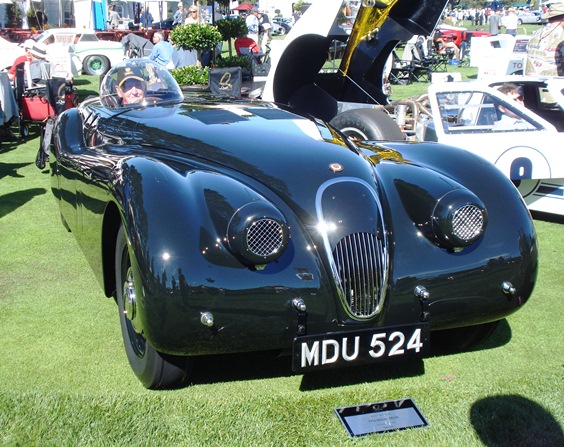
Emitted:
pixel 154 369
pixel 367 124
pixel 96 65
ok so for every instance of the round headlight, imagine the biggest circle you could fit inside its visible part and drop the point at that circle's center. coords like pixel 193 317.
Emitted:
pixel 257 233
pixel 459 218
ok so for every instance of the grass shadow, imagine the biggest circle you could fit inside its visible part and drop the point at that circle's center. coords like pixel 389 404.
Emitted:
pixel 84 93
pixel 377 372
pixel 554 218
pixel 12 201
pixel 11 169
pixel 514 421
pixel 270 364
pixel 236 367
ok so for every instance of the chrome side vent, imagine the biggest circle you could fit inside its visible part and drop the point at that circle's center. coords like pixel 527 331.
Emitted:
pixel 361 263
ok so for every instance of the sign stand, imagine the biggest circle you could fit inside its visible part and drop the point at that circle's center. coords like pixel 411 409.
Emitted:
pixel 381 417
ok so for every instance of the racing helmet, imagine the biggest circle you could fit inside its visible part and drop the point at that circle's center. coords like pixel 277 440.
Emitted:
pixel 138 83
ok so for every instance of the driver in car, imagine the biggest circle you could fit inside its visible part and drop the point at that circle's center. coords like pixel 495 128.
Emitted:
pixel 131 87
pixel 139 83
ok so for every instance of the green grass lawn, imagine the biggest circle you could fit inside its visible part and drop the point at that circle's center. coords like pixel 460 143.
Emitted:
pixel 65 380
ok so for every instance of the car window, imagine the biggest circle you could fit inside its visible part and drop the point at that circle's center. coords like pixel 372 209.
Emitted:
pixel 65 39
pixel 546 101
pixel 88 38
pixel 48 40
pixel 479 112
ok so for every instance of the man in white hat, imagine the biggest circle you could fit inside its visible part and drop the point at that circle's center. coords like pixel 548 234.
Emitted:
pixel 252 22
pixel 35 54
pixel 545 50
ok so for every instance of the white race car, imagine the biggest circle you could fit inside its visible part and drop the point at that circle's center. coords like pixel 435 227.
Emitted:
pixel 531 153
pixel 96 56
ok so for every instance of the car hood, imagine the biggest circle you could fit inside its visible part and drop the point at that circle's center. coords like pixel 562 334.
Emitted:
pixel 261 142
pixel 369 37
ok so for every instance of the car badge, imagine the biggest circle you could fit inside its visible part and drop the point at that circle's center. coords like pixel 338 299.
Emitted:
pixel 336 167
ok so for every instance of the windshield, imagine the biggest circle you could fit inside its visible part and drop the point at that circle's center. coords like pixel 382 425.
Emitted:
pixel 138 83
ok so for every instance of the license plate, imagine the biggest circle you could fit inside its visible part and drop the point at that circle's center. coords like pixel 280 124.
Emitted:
pixel 338 349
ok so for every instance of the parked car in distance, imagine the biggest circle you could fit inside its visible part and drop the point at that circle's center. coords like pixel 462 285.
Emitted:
pixel 277 30
pixel 340 252
pixel 165 24
pixel 284 23
pixel 95 56
pixel 530 17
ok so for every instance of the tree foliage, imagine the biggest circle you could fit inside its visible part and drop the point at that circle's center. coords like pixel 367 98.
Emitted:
pixel 231 29
pixel 195 37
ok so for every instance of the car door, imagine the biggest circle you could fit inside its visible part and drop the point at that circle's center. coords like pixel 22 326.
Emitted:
pixel 531 154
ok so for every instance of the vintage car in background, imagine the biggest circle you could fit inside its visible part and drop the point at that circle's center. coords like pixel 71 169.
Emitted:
pixel 95 56
pixel 284 23
pixel 530 17
pixel 467 115
pixel 227 225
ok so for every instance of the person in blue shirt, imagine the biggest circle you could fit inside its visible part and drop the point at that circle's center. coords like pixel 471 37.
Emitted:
pixel 162 50
pixel 178 17
pixel 146 18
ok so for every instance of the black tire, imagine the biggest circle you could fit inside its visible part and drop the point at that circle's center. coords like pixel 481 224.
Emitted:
pixel 154 370
pixel 283 31
pixel 463 338
pixel 367 124
pixel 519 22
pixel 96 65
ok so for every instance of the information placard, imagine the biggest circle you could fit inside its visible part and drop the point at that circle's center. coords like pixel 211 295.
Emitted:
pixel 381 417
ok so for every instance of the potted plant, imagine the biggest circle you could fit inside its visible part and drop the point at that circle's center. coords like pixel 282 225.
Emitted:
pixel 202 38
pixel 191 76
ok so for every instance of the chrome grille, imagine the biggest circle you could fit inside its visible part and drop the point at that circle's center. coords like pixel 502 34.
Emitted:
pixel 467 222
pixel 264 237
pixel 361 263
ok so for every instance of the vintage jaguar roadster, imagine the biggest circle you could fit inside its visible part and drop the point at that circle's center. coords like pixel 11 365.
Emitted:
pixel 226 226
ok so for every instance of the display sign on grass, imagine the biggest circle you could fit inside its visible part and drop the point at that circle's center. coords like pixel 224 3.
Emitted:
pixel 381 417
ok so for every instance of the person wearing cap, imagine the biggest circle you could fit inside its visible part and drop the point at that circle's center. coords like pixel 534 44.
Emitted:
pixel 131 85
pixel 35 54
pixel 545 50
pixel 510 22
pixel 178 17
pixel 252 22
pixel 193 16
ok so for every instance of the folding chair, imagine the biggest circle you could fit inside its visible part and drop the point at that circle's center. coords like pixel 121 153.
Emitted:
pixel 433 61
pixel 401 72
pixel 259 61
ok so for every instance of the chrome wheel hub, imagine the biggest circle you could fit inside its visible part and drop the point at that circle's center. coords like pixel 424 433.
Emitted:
pixel 129 299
